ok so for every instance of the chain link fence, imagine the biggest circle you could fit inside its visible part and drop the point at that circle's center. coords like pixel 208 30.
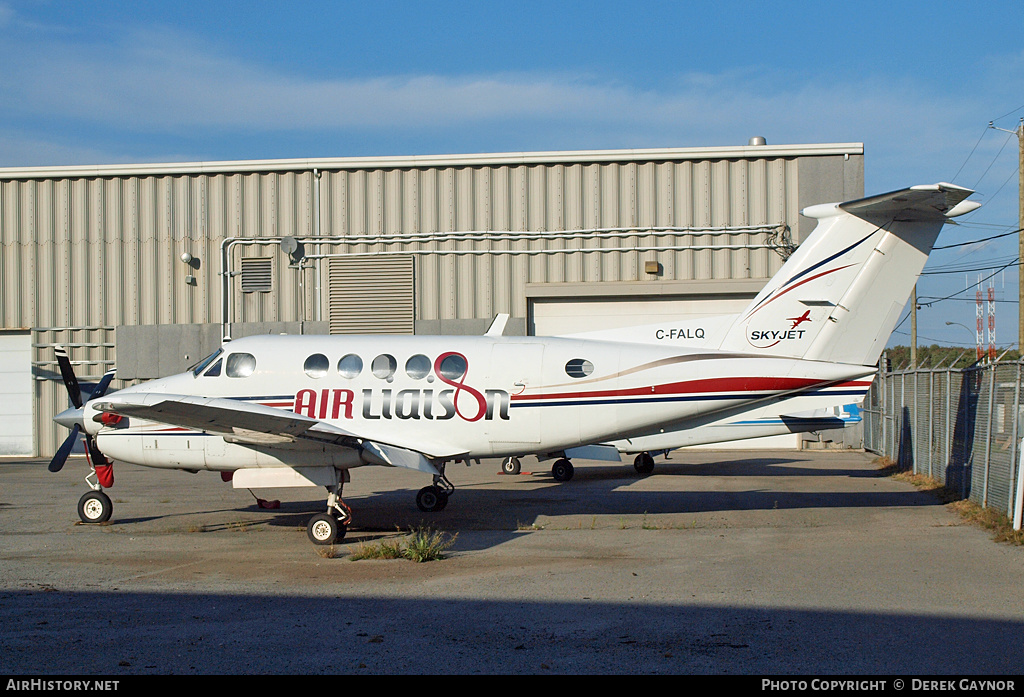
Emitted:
pixel 960 427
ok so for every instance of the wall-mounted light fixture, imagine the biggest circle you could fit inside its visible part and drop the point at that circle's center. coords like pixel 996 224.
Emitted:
pixel 192 263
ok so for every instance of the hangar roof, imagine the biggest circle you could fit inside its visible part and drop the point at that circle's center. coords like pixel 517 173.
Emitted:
pixel 442 161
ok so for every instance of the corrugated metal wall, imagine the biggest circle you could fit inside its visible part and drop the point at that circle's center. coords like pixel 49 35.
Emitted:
pixel 554 197
pixel 85 251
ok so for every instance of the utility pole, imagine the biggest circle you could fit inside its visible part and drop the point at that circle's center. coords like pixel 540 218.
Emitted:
pixel 1019 132
pixel 913 329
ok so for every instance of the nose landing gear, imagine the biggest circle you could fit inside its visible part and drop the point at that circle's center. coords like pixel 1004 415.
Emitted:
pixel 95 507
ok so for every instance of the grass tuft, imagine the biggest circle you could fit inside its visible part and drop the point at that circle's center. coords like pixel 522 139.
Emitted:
pixel 999 524
pixel 425 544
pixel 327 552
pixel 422 544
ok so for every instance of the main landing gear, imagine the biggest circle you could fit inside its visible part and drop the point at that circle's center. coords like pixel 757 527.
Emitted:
pixel 562 470
pixel 330 527
pixel 644 463
pixel 433 498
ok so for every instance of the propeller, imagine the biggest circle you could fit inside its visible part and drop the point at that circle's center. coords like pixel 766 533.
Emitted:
pixel 74 418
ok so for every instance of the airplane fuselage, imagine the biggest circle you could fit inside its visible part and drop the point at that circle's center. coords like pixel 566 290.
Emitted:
pixel 456 397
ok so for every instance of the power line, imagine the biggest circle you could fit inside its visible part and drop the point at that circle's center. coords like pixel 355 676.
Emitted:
pixel 1008 113
pixel 953 295
pixel 993 161
pixel 969 155
pixel 982 280
pixel 1014 301
pixel 984 239
pixel 965 266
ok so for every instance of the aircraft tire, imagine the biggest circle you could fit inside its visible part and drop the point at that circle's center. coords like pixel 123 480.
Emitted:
pixel 430 499
pixel 324 529
pixel 95 507
pixel 644 463
pixel 562 470
pixel 511 465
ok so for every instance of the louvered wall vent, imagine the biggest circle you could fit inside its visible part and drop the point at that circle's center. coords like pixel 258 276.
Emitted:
pixel 257 273
pixel 371 295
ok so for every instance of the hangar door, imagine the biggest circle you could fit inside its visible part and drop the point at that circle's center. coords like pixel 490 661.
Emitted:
pixel 15 393
pixel 556 316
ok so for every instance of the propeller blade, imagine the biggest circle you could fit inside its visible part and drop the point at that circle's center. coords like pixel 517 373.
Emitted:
pixel 101 387
pixel 68 373
pixel 57 463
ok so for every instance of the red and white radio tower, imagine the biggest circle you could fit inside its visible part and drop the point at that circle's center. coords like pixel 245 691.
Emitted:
pixel 980 334
pixel 991 323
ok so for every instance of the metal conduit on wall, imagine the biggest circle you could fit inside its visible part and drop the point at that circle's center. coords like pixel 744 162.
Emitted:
pixel 777 240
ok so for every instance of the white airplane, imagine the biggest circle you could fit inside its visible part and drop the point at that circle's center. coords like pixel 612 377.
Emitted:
pixel 281 411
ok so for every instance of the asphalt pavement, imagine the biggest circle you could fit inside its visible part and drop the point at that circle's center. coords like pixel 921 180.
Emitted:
pixel 719 563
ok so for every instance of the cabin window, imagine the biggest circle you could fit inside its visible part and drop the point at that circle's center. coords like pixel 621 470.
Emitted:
pixel 317 365
pixel 453 366
pixel 201 365
pixel 350 366
pixel 579 368
pixel 240 365
pixel 384 366
pixel 417 367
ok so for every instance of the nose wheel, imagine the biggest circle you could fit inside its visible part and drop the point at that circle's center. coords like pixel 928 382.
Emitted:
pixel 511 465
pixel 95 507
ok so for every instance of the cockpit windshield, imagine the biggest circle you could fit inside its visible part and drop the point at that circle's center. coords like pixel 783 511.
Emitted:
pixel 201 365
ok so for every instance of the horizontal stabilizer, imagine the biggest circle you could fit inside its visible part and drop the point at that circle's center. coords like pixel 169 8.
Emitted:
pixel 928 202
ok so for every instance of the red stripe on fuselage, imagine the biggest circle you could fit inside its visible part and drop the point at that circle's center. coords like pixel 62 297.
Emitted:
pixel 710 385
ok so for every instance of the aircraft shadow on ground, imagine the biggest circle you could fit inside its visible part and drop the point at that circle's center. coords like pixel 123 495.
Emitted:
pixel 600 492
pixel 125 633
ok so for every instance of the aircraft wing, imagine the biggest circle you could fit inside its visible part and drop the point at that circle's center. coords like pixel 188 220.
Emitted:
pixel 256 424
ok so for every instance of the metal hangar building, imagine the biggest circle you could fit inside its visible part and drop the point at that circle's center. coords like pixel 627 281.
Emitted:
pixel 147 268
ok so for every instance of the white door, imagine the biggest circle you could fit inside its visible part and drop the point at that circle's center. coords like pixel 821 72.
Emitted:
pixel 552 317
pixel 15 393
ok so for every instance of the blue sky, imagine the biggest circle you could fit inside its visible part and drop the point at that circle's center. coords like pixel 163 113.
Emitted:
pixel 916 82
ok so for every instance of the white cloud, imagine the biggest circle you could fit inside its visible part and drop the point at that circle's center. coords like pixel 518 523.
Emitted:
pixel 153 81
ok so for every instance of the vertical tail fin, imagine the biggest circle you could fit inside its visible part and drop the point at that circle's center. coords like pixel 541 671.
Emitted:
pixel 838 297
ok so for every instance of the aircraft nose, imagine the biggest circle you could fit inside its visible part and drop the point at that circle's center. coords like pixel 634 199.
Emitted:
pixel 69 417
